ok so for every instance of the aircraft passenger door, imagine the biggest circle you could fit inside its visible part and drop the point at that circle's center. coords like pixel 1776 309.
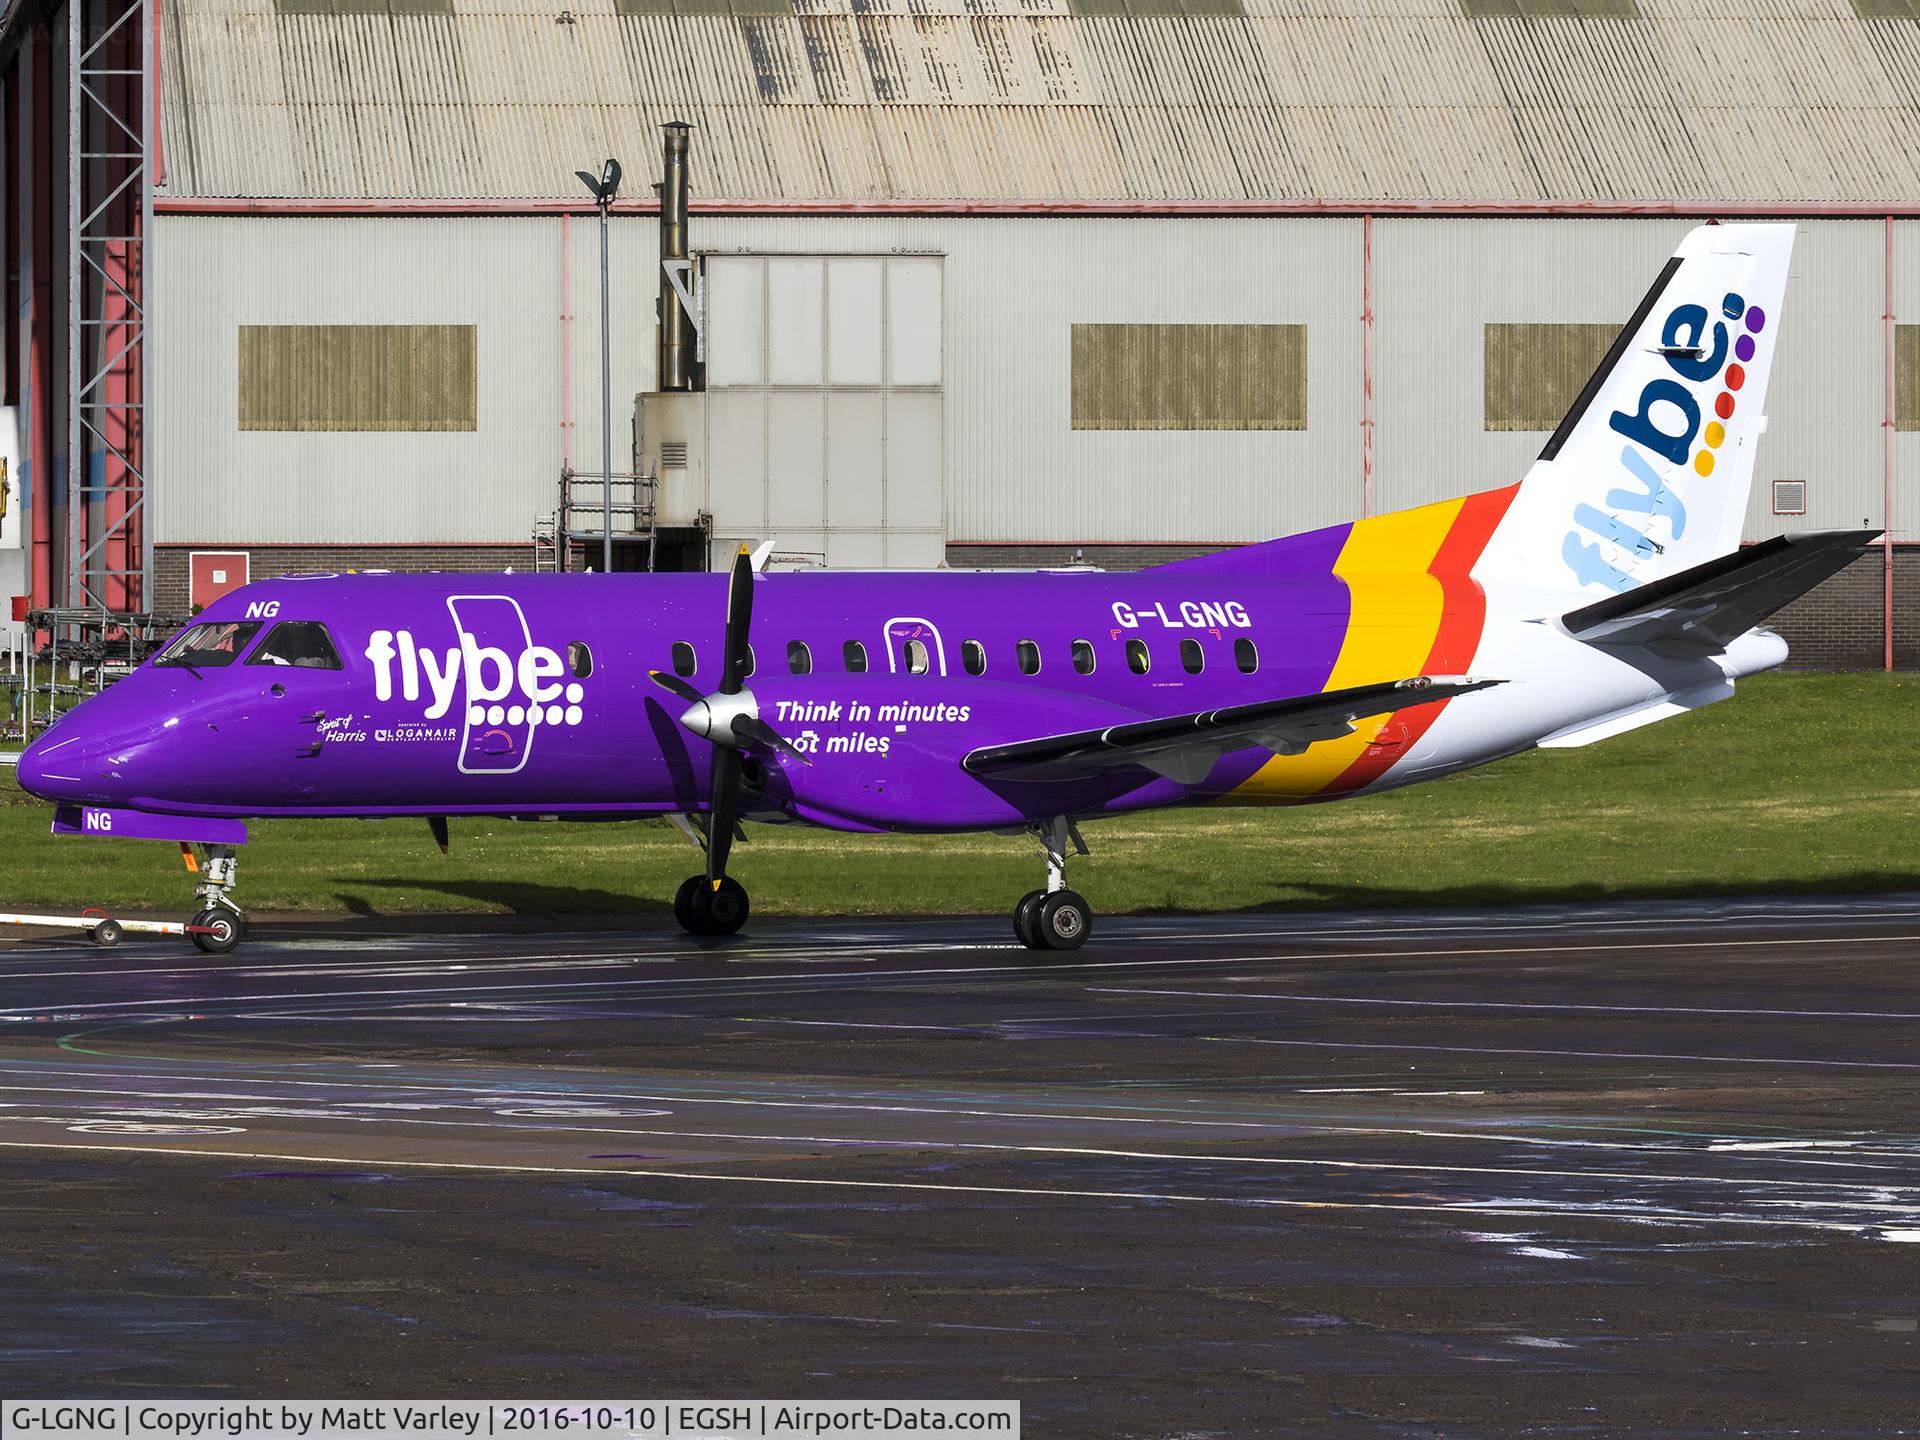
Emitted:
pixel 914 647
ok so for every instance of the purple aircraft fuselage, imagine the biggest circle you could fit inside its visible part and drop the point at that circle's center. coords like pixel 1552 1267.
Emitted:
pixel 532 694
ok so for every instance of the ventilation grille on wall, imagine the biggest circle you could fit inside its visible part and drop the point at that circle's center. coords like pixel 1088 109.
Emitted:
pixel 673 454
pixel 1789 497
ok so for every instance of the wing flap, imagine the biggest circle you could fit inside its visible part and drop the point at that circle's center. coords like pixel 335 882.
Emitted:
pixel 1703 610
pixel 1184 748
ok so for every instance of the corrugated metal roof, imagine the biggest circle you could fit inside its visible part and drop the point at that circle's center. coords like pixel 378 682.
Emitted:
pixel 873 100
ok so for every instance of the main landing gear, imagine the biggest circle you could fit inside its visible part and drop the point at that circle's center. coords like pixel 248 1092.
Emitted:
pixel 219 925
pixel 704 908
pixel 1055 918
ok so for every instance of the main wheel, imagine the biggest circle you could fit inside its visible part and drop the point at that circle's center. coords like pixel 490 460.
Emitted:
pixel 217 931
pixel 1026 917
pixel 683 899
pixel 725 908
pixel 107 932
pixel 1063 921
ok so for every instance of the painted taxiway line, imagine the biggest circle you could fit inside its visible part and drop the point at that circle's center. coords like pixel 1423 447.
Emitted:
pixel 1408 1046
pixel 477 1096
pixel 433 952
pixel 1548 1005
pixel 235 1115
pixel 1519 1209
pixel 760 983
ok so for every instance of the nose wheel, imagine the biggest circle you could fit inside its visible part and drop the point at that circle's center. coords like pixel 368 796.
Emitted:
pixel 1055 918
pixel 218 927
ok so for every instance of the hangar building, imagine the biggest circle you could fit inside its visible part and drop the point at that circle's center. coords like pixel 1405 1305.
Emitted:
pixel 978 282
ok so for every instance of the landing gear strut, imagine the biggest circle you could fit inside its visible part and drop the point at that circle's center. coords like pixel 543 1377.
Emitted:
pixel 219 925
pixel 1055 918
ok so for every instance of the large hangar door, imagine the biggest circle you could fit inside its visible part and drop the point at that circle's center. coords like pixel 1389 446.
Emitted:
pixel 825 406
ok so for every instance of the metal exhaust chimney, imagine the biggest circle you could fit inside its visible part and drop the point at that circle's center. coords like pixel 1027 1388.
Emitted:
pixel 676 359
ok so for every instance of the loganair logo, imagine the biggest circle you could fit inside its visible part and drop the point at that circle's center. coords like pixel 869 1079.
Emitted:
pixel 1666 428
pixel 522 687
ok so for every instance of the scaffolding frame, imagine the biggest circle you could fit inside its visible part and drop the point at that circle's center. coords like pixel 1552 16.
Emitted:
pixel 109 549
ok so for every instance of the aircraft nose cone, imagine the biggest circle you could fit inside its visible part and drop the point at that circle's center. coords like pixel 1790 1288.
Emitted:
pixel 56 767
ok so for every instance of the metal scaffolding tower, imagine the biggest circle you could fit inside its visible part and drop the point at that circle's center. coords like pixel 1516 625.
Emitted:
pixel 109 218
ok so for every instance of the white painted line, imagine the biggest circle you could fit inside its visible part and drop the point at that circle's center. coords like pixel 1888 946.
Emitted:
pixel 1511 1004
pixel 1484 1207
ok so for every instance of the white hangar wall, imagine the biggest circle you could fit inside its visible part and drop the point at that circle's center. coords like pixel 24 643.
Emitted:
pixel 1014 471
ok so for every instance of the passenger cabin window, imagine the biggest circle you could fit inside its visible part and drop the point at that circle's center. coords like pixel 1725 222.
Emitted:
pixel 1192 656
pixel 1138 660
pixel 1083 656
pixel 973 655
pixel 1246 656
pixel 579 659
pixel 685 662
pixel 207 646
pixel 753 663
pixel 855 656
pixel 303 643
pixel 799 658
pixel 1027 652
pixel 918 661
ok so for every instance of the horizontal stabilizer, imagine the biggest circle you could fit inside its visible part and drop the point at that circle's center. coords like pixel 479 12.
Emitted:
pixel 1184 748
pixel 1703 610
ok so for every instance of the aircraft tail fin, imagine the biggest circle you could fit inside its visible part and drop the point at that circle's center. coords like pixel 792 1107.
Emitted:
pixel 1649 472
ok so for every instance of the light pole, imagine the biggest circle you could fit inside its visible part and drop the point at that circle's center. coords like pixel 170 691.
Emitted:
pixel 604 189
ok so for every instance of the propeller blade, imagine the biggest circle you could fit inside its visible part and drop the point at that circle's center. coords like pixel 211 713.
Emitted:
pixel 723 812
pixel 676 685
pixel 438 825
pixel 733 661
pixel 754 730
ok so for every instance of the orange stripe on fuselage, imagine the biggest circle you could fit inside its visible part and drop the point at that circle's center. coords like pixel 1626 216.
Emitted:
pixel 1397 608
pixel 1463 616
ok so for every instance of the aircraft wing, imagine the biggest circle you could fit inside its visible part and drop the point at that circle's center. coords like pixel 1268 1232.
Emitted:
pixel 1702 610
pixel 1184 748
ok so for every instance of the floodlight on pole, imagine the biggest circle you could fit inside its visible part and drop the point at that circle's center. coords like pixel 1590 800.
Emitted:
pixel 604 189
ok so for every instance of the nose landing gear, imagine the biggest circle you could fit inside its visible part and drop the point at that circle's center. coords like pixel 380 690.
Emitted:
pixel 218 926
pixel 1055 918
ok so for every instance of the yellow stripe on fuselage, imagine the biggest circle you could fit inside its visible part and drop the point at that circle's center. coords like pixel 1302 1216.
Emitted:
pixel 1396 609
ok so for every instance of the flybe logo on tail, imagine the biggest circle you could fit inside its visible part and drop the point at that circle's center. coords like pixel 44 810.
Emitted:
pixel 1667 426
pixel 496 687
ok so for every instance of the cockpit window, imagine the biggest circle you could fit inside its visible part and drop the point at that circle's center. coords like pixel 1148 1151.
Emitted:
pixel 301 643
pixel 208 645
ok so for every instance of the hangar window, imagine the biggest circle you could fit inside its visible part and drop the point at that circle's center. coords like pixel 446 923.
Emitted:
pixel 855 656
pixel 1531 9
pixel 1189 377
pixel 208 646
pixel 1138 659
pixel 1906 377
pixel 359 377
pixel 1028 654
pixel 799 658
pixel 1192 656
pixel 364 7
pixel 1083 656
pixel 685 662
pixel 1246 655
pixel 973 655
pixel 304 643
pixel 1532 374
pixel 579 659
